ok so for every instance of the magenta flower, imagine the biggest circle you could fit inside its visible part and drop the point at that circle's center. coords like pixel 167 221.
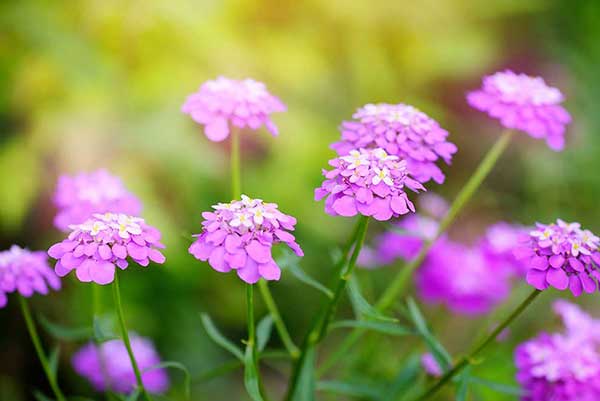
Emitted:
pixel 224 103
pixel 523 103
pixel 78 197
pixel 498 245
pixel 431 366
pixel 406 239
pixel 369 182
pixel 96 246
pixel 561 255
pixel 108 366
pixel 26 272
pixel 402 131
pixel 239 236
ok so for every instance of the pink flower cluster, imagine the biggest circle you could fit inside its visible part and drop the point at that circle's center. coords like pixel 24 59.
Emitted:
pixel 224 103
pixel 78 197
pixel 105 240
pixel 561 255
pixel 562 366
pixel 108 366
pixel 524 103
pixel 369 182
pixel 25 272
pixel 403 131
pixel 239 235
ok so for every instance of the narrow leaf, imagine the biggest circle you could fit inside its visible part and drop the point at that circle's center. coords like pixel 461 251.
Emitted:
pixel 220 370
pixel 393 329
pixel 39 396
pixel 53 361
pixel 353 389
pixel 134 395
pixel 463 385
pixel 175 365
pixel 404 379
pixel 219 338
pixel 498 387
pixel 102 331
pixel 263 332
pixel 290 262
pixel 63 332
pixel 306 386
pixel 251 375
pixel 362 307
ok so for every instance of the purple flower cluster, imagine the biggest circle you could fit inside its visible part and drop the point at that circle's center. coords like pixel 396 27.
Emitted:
pixel 107 366
pixel 403 131
pixel 224 103
pixel 562 366
pixel 561 255
pixel 78 197
pixel 96 246
pixel 369 182
pixel 239 235
pixel 25 272
pixel 524 103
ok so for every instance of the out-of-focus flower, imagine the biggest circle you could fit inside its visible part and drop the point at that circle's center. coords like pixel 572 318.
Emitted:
pixel 561 255
pixel 406 239
pixel 400 130
pixel 26 272
pixel 107 366
pixel 369 182
pixel 431 366
pixel 96 246
pixel 577 322
pixel 524 103
pixel 498 246
pixel 78 197
pixel 433 205
pixel 460 278
pixel 223 103
pixel 239 235
pixel 561 366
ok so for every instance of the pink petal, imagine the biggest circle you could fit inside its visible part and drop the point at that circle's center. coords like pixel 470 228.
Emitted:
pixel 201 250
pixel 575 285
pixel 156 256
pixel 217 130
pixel 539 262
pixel 249 273
pixel 105 252
pixel 270 271
pixel 83 271
pixel 576 264
pixel 60 270
pixel 137 252
pixel 259 252
pixel 398 205
pixel 119 251
pixel 232 243
pixel 345 206
pixel 556 261
pixel 537 278
pixel 102 273
pixel 236 260
pixel 557 278
pixel 216 260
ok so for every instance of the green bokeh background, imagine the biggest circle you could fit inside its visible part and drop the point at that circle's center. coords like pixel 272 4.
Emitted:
pixel 99 83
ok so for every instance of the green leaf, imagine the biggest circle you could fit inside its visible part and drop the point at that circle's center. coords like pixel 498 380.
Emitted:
pixel 251 375
pixel 102 330
pixel 404 380
pixel 39 396
pixel 498 387
pixel 217 371
pixel 187 378
pixel 362 307
pixel 63 332
pixel 53 361
pixel 263 332
pixel 353 389
pixel 134 395
pixel 463 385
pixel 437 350
pixel 393 329
pixel 290 262
pixel 219 338
pixel 306 385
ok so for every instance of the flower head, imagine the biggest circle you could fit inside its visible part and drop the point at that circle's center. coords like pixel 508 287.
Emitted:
pixel 524 103
pixel 369 182
pixel 107 366
pixel 103 241
pixel 561 255
pixel 239 235
pixel 26 272
pixel 223 103
pixel 402 131
pixel 78 197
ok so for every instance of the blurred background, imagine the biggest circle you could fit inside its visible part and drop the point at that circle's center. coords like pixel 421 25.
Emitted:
pixel 100 83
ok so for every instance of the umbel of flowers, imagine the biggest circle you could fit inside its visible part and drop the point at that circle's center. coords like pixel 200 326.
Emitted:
pixel 239 236
pixel 561 255
pixel 369 182
pixel 94 248
pixel 224 103
pixel 403 131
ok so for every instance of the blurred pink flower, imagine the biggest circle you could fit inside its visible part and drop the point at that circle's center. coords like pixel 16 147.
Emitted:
pixel 225 103
pixel 498 245
pixel 524 103
pixel 239 235
pixel 431 366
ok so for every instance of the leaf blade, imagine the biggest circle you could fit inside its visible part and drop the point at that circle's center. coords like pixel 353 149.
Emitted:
pixel 263 332
pixel 219 338
pixel 389 328
pixel 362 307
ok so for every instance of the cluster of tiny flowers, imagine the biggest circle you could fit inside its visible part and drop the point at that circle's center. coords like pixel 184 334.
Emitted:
pixel 561 255
pixel 400 130
pixel 25 272
pixel 239 235
pixel 562 366
pixel 107 366
pixel 96 246
pixel 78 197
pixel 223 103
pixel 369 182
pixel 524 103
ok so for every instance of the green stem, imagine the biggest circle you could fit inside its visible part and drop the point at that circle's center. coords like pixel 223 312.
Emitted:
pixel 466 360
pixel 125 335
pixel 398 285
pixel 236 181
pixel 265 292
pixel 35 338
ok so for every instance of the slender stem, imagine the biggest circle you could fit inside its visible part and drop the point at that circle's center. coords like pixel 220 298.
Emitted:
pixel 398 285
pixel 277 320
pixel 466 360
pixel 35 338
pixel 236 182
pixel 125 335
